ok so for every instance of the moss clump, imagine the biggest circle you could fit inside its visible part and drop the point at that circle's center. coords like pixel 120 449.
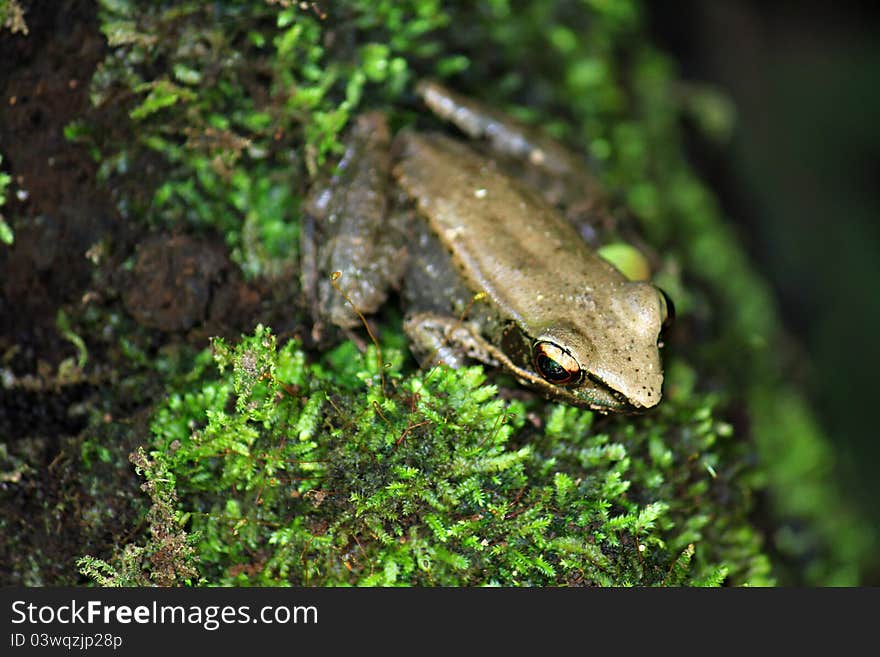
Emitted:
pixel 169 557
pixel 330 469
pixel 342 472
pixel 214 116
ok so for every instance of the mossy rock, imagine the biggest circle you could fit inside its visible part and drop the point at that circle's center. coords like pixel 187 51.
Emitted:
pixel 269 463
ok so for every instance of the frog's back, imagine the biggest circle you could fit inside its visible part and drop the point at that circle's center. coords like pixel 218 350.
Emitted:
pixel 507 240
pixel 513 245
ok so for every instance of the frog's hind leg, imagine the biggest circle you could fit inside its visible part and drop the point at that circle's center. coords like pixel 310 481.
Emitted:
pixel 353 240
pixel 558 173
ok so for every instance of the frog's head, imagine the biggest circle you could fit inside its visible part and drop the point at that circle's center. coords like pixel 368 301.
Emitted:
pixel 609 365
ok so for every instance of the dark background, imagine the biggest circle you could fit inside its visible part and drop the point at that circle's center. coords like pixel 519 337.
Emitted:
pixel 800 181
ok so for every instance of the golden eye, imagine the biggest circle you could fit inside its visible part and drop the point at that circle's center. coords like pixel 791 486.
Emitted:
pixel 555 364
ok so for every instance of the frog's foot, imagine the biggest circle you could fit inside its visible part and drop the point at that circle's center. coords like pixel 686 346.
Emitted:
pixel 436 339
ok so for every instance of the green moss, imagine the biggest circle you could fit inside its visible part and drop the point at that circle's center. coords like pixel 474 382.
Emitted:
pixel 312 473
pixel 238 104
pixel 282 466
pixel 168 558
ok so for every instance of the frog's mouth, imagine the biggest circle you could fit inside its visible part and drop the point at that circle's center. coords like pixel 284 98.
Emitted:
pixel 592 393
pixel 589 393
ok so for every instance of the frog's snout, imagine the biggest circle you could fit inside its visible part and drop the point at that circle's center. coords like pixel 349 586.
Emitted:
pixel 648 310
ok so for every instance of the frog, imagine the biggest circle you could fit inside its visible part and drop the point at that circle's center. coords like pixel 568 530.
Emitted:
pixel 478 238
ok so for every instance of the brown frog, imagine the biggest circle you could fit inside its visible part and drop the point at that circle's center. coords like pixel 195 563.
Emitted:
pixel 491 271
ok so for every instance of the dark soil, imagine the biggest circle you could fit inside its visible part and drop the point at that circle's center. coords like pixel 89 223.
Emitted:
pixel 180 289
pixel 44 80
pixel 43 86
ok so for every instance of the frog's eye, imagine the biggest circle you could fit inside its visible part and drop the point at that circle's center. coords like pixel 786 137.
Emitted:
pixel 555 364
pixel 667 310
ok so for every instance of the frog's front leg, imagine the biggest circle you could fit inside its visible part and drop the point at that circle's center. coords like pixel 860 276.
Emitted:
pixel 437 339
